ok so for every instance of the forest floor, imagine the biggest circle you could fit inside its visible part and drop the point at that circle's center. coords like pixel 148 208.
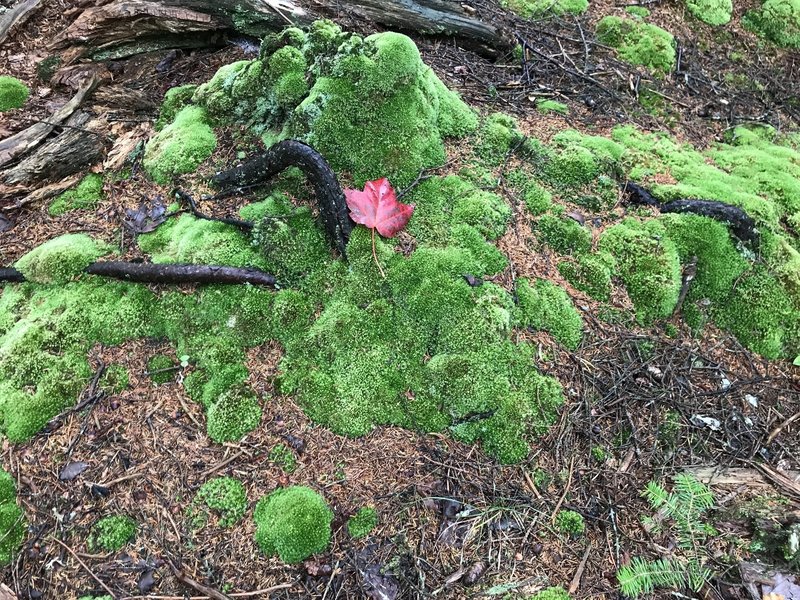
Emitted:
pixel 453 522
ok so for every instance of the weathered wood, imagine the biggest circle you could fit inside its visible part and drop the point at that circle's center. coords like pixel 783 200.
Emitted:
pixel 72 150
pixel 23 196
pixel 16 16
pixel 291 153
pixel 739 222
pixel 29 138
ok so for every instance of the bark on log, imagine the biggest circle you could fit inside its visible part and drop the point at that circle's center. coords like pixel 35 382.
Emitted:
pixel 165 273
pixel 291 153
pixel 16 16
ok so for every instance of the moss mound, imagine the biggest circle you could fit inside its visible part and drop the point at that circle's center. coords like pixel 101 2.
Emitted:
pixel 13 93
pixel 362 523
pixel 547 307
pixel 85 195
pixel 226 496
pixel 175 100
pixel 551 593
pixel 540 8
pixel 112 533
pixel 778 21
pixel 161 369
pixel 713 12
pixel 639 43
pixel 235 413
pixel 61 259
pixel 293 523
pixel 590 273
pixel 181 146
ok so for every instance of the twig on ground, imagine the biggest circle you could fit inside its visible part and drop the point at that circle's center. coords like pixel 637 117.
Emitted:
pixel 85 568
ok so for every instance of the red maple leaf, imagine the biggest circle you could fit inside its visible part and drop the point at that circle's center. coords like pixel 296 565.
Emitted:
pixel 377 207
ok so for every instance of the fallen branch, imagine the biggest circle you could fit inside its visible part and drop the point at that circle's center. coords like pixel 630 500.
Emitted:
pixel 195 585
pixel 292 153
pixel 16 16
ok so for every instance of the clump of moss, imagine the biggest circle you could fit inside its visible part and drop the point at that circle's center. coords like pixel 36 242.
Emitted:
pixel 648 264
pixel 570 523
pixel 61 259
pixel 293 523
pixel 362 523
pixel 226 496
pixel 106 597
pixel 638 11
pixel 778 21
pixel 85 196
pixel 564 235
pixel 551 593
pixel 532 9
pixel 498 135
pixel 115 379
pixel 112 533
pixel 713 12
pixel 161 369
pixel 175 100
pixel 283 457
pixel 551 106
pixel 181 146
pixel 536 198
pixel 547 307
pixel 590 273
pixel 639 43
pixel 12 520
pixel 235 413
pixel 13 93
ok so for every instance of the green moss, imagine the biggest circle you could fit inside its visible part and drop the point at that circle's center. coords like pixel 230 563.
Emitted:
pixel 85 196
pixel 283 457
pixel 532 9
pixel 181 146
pixel 175 100
pixel 547 307
pixel 536 198
pixel 46 68
pixel 161 369
pixel 226 496
pixel 648 265
pixel 551 106
pixel 8 488
pixel 61 259
pixel 599 453
pixel 638 11
pixel 551 593
pixel 293 523
pixel 115 379
pixel 639 43
pixel 570 522
pixel 112 533
pixel 713 12
pixel 12 520
pixel 563 234
pixel 778 21
pixel 498 135
pixel 590 273
pixel 106 597
pixel 13 93
pixel 362 523
pixel 235 413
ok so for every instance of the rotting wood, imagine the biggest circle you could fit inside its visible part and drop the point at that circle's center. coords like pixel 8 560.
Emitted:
pixel 39 194
pixel 16 16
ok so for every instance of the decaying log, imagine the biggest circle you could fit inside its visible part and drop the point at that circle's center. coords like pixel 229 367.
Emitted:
pixel 291 153
pixel 165 273
pixel 16 16
pixel 23 197
pixel 29 138
pixel 72 150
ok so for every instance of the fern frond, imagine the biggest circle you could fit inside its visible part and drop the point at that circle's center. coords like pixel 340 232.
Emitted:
pixel 642 576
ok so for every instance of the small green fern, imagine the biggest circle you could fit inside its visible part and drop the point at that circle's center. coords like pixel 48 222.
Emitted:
pixel 684 509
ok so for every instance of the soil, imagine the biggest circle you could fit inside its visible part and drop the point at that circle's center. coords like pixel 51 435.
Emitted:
pixel 448 513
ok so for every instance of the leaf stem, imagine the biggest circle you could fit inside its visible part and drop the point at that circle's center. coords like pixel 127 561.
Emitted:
pixel 375 254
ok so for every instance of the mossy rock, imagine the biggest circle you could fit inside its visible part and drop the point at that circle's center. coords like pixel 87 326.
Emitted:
pixel 639 43
pixel 293 523
pixel 13 93
pixel 84 196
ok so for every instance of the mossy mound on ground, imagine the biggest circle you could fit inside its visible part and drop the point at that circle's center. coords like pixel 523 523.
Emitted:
pixel 13 93
pixel 226 496
pixel 293 523
pixel 161 369
pixel 713 12
pixel 181 146
pixel 85 195
pixel 61 259
pixel 12 520
pixel 362 523
pixel 547 307
pixel 175 100
pixel 590 273
pixel 541 8
pixel 564 234
pixel 551 106
pixel 112 533
pixel 639 43
pixel 235 413
pixel 551 593
pixel 778 21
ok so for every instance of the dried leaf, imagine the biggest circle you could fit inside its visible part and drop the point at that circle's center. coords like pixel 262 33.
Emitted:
pixel 377 207
pixel 146 218
pixel 72 470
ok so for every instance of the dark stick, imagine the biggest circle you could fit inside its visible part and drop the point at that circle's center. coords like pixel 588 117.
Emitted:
pixel 246 225
pixel 291 153
pixel 11 275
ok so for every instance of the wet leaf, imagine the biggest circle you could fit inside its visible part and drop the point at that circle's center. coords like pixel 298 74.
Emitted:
pixel 297 444
pixel 146 218
pixel 72 470
pixel 377 207
pixel 146 582
pixel 474 573
pixel 5 223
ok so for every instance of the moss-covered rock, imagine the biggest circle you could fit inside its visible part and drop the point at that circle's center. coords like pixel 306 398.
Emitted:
pixel 181 146
pixel 362 523
pixel 85 195
pixel 235 413
pixel 61 259
pixel 639 43
pixel 112 533
pixel 226 496
pixel 713 12
pixel 13 93
pixel 293 523
pixel 547 307
pixel 778 21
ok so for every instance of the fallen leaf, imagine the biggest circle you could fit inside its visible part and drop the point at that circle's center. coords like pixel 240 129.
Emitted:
pixel 377 207
pixel 5 223
pixel 146 218
pixel 146 581
pixel 474 573
pixel 72 470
